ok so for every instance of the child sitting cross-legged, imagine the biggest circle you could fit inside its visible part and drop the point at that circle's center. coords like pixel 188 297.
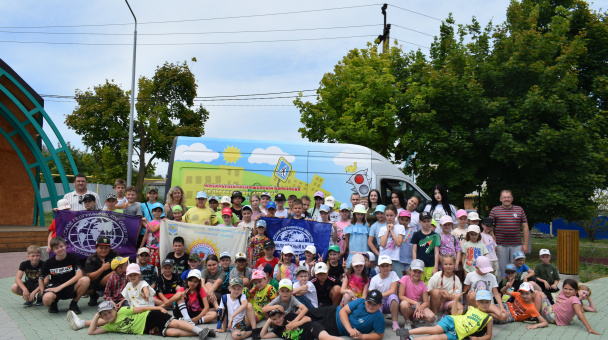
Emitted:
pixel 137 291
pixel 386 283
pixel 444 285
pixel 149 273
pixel 167 284
pixel 32 269
pixel 234 310
pixel 356 281
pixel 414 297
pixel 192 302
pixel 117 281
pixel 261 294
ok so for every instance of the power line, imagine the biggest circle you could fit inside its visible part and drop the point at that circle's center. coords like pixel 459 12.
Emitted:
pixel 204 97
pixel 181 44
pixel 190 33
pixel 196 99
pixel 411 43
pixel 413 30
pixel 418 13
pixel 194 20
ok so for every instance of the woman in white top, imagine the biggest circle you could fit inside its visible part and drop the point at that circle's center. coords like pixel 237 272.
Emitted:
pixel 398 200
pixel 440 204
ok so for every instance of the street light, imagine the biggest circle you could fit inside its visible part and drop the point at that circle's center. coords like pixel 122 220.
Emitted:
pixel 130 161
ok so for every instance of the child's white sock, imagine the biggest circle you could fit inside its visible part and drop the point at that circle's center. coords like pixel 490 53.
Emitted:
pixel 201 320
pixel 184 310
pixel 196 329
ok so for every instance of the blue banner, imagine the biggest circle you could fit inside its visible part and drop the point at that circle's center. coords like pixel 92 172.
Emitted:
pixel 80 229
pixel 299 234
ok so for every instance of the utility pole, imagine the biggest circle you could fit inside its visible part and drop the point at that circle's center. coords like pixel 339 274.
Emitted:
pixel 385 37
pixel 130 155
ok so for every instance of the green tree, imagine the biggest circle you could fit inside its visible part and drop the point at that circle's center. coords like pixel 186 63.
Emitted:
pixel 81 159
pixel 521 105
pixel 596 222
pixel 165 109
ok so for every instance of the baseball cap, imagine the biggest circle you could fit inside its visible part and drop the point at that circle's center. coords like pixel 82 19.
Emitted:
pixel 268 269
pixel 269 244
pixel 105 305
pixel 371 256
pixel 385 259
pixel 237 194
pixel 487 221
pixel 265 194
pixel 225 254
pixel 213 198
pixel 330 201
pixel 320 268
pixel 417 264
pixel 405 213
pixel 247 207
pixel 88 197
pixel 102 241
pixel 446 219
pixel 344 206
pixel 510 268
pixel 157 205
pixel 473 228
pixel 235 281
pixel 143 250
pixel 117 261
pixel 177 208
pixel 271 205
pixel 483 295
pixel 227 211
pixel 544 252
pixel 357 259
pixel 360 209
pixel 201 194
pixel 483 264
pixel 63 204
pixel 286 283
pixel 225 199
pixel 258 274
pixel 110 196
pixel 473 216
pixel 261 224
pixel 311 249
pixel 324 207
pixel 194 273
pixel 279 197
pixel 133 268
pixel 526 286
pixel 379 208
pixel 240 256
pixel 168 262
pixel 319 194
pixel 288 250
pixel 194 258
pixel 460 213
pixel 151 188
pixel 425 215
pixel 519 255
pixel 301 269
pixel 334 247
pixel 374 296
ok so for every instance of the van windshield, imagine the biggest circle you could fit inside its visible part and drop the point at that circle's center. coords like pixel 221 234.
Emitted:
pixel 388 185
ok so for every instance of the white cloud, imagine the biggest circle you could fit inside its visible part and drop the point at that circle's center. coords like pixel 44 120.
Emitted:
pixel 196 152
pixel 269 155
pixel 348 157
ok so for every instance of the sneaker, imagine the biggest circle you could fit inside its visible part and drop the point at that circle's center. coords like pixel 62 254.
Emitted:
pixel 255 334
pixel 408 325
pixel 212 332
pixel 28 303
pixel 187 320
pixel 74 307
pixel 204 334
pixel 403 334
pixel 38 300
pixel 75 321
pixel 531 320
pixel 92 301
pixel 53 308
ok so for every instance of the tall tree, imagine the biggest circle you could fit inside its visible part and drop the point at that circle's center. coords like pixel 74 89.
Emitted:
pixel 165 109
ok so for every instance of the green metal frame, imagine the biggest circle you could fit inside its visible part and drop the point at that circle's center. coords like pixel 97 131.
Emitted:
pixel 33 145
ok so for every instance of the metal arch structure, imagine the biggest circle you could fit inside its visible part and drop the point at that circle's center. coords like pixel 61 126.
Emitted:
pixel 21 125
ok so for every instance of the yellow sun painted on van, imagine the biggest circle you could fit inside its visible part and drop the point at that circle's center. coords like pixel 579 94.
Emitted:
pixel 231 154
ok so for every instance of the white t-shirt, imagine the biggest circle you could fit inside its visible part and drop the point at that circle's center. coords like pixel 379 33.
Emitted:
pixel 134 294
pixel 438 213
pixel 233 305
pixel 391 248
pixel 334 216
pixel 311 294
pixel 415 221
pixel 481 282
pixel 435 282
pixel 383 284
pixel 283 213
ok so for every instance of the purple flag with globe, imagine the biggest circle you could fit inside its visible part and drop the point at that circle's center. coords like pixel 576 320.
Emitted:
pixel 80 229
pixel 299 234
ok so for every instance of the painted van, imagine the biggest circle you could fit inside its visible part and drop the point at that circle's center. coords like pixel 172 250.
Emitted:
pixel 221 166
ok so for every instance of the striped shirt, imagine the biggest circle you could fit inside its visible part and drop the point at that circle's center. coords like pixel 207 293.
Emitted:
pixel 508 224
pixel 76 203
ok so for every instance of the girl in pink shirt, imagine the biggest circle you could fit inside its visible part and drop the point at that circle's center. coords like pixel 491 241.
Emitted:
pixel 567 305
pixel 356 282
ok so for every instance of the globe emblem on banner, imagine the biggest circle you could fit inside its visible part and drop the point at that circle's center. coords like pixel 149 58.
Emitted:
pixel 84 231
pixel 297 237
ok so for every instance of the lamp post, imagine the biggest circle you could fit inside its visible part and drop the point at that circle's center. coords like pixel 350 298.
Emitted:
pixel 130 161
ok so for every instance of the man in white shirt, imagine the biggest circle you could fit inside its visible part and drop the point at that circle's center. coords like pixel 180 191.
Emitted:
pixel 75 198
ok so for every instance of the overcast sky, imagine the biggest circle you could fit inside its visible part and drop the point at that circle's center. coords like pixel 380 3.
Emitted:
pixel 222 69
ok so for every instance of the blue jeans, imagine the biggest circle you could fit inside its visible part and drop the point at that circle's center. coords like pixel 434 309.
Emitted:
pixel 305 301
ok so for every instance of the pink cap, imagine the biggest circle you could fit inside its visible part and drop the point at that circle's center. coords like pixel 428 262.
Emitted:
pixel 483 264
pixel 446 219
pixel 319 194
pixel 258 274
pixel 133 268
pixel 461 212
pixel 405 213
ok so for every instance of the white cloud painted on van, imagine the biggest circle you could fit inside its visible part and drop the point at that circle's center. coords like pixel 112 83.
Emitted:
pixel 270 155
pixel 195 152
pixel 347 158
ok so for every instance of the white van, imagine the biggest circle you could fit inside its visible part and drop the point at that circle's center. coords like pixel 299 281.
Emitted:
pixel 221 166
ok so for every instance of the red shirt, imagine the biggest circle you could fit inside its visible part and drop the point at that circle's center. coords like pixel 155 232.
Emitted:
pixel 262 262
pixel 508 224
pixel 52 228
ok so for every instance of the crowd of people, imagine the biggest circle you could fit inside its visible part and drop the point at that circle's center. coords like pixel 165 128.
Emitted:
pixel 437 266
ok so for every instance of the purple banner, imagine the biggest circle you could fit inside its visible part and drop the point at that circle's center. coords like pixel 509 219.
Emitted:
pixel 80 229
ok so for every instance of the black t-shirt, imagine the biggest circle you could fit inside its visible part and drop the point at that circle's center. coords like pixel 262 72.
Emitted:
pixel 61 271
pixel 238 213
pixel 324 289
pixel 423 243
pixel 181 263
pixel 336 271
pixel 304 332
pixel 93 264
pixel 31 273
pixel 168 286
